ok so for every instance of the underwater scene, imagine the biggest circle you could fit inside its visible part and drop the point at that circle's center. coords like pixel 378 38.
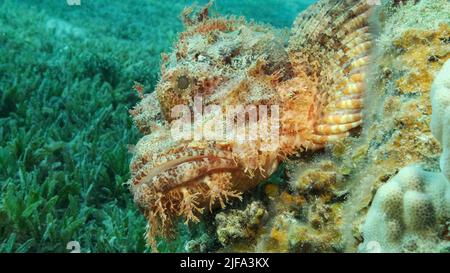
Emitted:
pixel 248 126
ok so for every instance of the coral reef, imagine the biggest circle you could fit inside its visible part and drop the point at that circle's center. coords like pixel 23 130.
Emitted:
pixel 288 233
pixel 337 185
pixel 410 212
pixel 317 81
pixel 440 120
pixel 398 132
pixel 303 221
pixel 236 225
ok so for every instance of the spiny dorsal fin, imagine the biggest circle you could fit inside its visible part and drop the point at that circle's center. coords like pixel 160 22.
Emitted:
pixel 333 37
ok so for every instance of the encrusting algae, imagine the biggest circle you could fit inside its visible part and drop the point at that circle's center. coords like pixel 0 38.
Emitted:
pixel 410 213
pixel 329 78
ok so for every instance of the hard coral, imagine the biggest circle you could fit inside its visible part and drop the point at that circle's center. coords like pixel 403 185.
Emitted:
pixel 411 211
pixel 440 121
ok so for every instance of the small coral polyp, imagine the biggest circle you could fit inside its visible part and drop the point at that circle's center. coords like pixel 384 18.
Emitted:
pixel 317 81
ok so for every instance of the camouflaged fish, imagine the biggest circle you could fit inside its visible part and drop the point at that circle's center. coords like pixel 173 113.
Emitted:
pixel 317 80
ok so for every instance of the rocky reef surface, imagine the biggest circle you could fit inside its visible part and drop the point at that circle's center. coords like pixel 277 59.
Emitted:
pixel 324 201
pixel 411 211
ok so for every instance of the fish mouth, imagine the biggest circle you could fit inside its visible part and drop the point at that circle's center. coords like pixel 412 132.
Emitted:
pixel 181 167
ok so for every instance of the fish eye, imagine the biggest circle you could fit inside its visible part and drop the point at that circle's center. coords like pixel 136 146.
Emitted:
pixel 183 82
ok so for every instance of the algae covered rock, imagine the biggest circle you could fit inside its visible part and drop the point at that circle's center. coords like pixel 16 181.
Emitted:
pixel 239 224
pixel 410 213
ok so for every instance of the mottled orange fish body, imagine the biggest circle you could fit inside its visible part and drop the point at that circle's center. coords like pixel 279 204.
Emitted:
pixel 317 82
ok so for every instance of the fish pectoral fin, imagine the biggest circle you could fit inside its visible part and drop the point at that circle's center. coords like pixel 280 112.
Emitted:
pixel 335 40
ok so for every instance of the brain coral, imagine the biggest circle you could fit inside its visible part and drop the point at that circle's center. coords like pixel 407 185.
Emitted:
pixel 408 213
pixel 411 211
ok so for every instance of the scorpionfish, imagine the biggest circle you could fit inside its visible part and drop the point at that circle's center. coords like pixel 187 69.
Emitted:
pixel 316 77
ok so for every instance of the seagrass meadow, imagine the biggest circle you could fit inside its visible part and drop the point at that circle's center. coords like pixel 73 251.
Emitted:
pixel 85 91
